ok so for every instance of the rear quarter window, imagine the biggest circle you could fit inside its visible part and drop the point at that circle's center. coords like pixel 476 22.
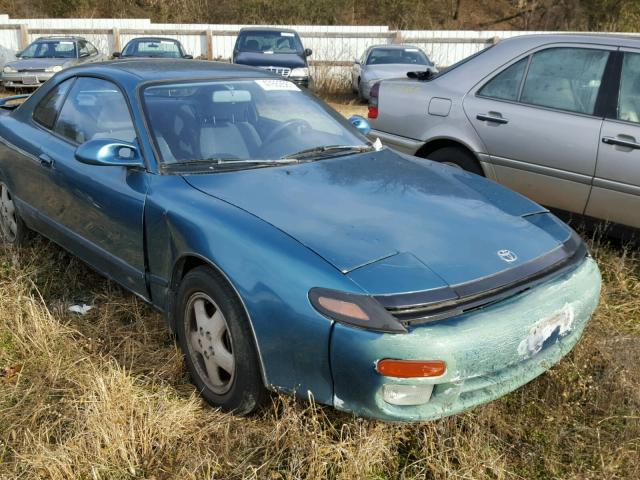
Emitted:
pixel 47 110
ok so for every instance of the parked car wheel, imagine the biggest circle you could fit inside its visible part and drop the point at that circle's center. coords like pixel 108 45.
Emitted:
pixel 456 157
pixel 359 92
pixel 216 339
pixel 12 228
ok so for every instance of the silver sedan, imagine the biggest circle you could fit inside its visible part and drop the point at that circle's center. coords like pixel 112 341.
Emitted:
pixel 44 57
pixel 555 117
pixel 386 61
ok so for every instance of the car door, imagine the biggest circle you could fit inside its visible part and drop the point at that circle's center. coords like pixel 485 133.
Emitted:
pixel 615 194
pixel 97 210
pixel 26 161
pixel 539 123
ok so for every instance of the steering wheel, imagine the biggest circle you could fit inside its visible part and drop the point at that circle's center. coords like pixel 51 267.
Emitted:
pixel 288 125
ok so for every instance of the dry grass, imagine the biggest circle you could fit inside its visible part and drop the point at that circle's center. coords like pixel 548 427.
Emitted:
pixel 105 396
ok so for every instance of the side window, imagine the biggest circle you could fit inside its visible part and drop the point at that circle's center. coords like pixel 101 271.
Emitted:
pixel 83 50
pixel 95 108
pixel 506 85
pixel 47 110
pixel 92 50
pixel 629 97
pixel 565 78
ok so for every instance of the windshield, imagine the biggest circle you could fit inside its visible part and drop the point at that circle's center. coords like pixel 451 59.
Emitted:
pixel 269 42
pixel 152 48
pixel 385 56
pixel 261 119
pixel 50 49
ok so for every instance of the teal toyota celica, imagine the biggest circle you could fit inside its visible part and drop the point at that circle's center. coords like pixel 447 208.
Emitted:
pixel 288 252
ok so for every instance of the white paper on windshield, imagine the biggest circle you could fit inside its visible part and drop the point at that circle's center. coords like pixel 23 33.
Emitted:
pixel 287 34
pixel 66 43
pixel 166 42
pixel 277 85
pixel 411 50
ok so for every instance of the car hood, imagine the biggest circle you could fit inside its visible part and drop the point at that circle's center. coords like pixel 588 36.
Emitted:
pixel 38 63
pixel 256 59
pixel 358 210
pixel 392 70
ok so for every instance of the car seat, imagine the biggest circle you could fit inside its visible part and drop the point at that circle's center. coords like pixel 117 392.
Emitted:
pixel 230 134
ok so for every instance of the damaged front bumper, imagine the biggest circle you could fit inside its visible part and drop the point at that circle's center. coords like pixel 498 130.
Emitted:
pixel 488 352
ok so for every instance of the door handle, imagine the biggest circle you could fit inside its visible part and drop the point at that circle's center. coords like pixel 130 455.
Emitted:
pixel 621 143
pixel 490 118
pixel 45 160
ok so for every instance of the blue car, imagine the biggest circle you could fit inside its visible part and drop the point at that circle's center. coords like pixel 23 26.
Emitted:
pixel 287 252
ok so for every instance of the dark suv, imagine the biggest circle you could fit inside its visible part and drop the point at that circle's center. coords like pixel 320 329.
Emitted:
pixel 276 49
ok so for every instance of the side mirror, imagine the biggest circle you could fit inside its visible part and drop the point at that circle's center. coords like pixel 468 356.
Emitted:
pixel 356 61
pixel 308 52
pixel 188 57
pixel 109 152
pixel 116 55
pixel 361 124
pixel 19 53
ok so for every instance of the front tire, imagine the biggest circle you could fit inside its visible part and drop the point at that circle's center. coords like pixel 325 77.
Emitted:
pixel 217 342
pixel 12 228
pixel 458 158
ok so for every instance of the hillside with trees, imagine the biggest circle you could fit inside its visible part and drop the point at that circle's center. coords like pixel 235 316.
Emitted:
pixel 606 15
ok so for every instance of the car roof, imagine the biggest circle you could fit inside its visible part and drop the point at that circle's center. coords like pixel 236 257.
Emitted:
pixel 267 29
pixel 472 70
pixel 614 39
pixel 153 39
pixel 143 69
pixel 60 37
pixel 394 46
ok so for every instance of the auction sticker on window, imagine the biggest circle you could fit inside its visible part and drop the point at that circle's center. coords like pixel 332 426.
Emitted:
pixel 277 85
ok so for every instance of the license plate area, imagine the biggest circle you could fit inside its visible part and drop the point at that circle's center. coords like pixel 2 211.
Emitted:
pixel 546 331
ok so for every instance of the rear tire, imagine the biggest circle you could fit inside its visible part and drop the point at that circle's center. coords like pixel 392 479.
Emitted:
pixel 217 342
pixel 12 228
pixel 458 158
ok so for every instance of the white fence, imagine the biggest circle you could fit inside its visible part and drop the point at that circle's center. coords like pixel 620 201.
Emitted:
pixel 333 46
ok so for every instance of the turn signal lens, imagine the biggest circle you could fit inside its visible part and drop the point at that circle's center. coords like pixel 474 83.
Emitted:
pixel 340 307
pixel 411 368
pixel 372 112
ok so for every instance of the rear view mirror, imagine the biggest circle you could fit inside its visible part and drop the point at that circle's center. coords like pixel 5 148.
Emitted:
pixel 361 124
pixel 116 55
pixel 231 96
pixel 109 152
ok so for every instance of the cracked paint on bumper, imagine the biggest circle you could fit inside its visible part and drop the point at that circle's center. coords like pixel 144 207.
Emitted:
pixel 489 352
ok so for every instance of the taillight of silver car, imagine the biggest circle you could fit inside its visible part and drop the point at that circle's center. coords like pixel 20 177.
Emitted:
pixel 373 101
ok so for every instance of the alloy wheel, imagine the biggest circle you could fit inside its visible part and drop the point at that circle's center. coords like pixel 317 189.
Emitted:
pixel 209 343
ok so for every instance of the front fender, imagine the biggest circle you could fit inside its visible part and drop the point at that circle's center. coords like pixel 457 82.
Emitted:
pixel 271 272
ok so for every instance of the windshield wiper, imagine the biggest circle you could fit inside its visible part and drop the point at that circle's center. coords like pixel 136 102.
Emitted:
pixel 220 163
pixel 328 150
